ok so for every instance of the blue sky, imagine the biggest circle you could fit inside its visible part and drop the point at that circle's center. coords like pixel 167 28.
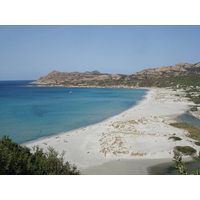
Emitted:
pixel 28 52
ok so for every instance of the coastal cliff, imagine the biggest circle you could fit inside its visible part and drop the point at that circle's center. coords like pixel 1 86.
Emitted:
pixel 164 76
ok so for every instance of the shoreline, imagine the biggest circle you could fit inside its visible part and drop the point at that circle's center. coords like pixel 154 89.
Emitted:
pixel 139 133
pixel 82 127
pixel 32 84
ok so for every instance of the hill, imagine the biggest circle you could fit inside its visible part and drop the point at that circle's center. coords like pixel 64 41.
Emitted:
pixel 76 78
pixel 180 69
pixel 181 74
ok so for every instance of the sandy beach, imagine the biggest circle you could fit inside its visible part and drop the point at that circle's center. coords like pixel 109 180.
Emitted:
pixel 127 143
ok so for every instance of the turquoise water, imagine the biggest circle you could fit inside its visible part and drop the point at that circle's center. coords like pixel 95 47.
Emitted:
pixel 28 113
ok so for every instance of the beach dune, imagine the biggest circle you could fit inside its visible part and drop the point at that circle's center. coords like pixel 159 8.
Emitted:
pixel 137 137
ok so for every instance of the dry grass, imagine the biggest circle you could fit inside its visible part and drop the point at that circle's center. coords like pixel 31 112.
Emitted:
pixel 138 154
pixel 112 144
pixel 120 152
pixel 194 131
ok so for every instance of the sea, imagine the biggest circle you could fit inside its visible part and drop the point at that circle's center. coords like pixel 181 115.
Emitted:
pixel 29 113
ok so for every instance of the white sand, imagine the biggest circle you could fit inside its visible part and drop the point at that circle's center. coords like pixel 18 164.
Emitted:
pixel 141 132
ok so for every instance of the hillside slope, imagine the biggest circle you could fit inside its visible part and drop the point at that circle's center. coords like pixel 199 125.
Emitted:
pixel 180 69
pixel 75 78
pixel 165 76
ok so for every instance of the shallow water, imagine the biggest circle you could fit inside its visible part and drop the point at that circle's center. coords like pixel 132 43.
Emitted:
pixel 186 117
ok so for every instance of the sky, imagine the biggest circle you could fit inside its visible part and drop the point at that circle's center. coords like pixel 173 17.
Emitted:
pixel 30 51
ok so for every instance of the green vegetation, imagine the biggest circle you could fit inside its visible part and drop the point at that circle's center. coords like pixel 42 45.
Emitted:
pixel 194 131
pixel 194 109
pixel 194 95
pixel 186 150
pixel 175 138
pixel 171 81
pixel 197 143
pixel 180 165
pixel 18 160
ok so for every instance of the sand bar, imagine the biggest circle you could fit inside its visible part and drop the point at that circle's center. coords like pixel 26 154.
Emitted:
pixel 139 136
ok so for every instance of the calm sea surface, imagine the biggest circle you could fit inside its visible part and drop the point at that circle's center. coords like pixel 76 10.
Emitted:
pixel 28 113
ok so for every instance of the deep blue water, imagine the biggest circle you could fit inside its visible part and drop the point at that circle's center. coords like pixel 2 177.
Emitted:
pixel 28 113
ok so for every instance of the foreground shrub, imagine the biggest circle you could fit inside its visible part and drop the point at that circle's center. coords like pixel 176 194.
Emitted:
pixel 18 160
pixel 193 109
pixel 180 165
pixel 197 143
pixel 186 150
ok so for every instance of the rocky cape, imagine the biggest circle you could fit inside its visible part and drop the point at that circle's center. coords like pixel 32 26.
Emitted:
pixel 138 79
pixel 74 78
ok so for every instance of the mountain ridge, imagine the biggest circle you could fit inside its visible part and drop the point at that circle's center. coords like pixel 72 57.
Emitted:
pixel 180 69
pixel 136 79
